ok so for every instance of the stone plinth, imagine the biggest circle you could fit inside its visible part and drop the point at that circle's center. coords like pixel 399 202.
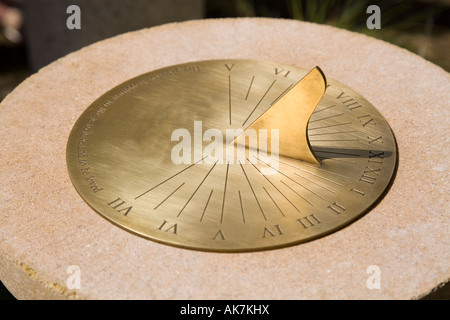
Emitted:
pixel 45 226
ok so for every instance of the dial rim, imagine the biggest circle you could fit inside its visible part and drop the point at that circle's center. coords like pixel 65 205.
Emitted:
pixel 85 191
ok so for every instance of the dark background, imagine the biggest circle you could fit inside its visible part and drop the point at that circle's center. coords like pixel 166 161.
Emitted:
pixel 33 33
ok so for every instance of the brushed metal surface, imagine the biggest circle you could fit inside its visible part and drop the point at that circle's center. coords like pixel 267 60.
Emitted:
pixel 119 157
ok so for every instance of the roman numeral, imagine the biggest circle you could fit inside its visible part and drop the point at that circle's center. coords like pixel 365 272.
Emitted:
pixel 370 179
pixel 282 72
pixel 119 206
pixel 358 191
pixel 336 207
pixel 366 119
pixel 350 103
pixel 268 232
pixel 341 95
pixel 375 155
pixel 229 67
pixel 309 221
pixel 168 227
pixel 370 170
pixel 219 235
pixel 372 140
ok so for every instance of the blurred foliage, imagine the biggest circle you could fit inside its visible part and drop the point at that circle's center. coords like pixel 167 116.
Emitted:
pixel 422 27
pixel 346 14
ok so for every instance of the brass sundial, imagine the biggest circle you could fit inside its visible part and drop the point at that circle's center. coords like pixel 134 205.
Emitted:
pixel 171 155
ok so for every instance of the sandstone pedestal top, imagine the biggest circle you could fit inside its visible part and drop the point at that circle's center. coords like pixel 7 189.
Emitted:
pixel 46 227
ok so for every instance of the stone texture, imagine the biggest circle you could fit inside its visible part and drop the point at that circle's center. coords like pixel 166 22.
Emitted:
pixel 46 227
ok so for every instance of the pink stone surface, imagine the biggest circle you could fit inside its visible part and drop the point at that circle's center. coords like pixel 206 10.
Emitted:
pixel 45 226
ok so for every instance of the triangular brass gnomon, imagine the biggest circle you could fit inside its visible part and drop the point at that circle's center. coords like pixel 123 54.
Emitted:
pixel 290 115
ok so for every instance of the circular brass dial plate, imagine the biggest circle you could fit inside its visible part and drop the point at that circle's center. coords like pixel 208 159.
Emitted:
pixel 119 157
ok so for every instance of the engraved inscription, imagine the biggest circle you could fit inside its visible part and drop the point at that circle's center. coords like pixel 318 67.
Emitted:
pixel 88 177
pixel 171 72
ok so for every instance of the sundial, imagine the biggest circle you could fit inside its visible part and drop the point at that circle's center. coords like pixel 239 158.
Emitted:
pixel 111 165
pixel 231 155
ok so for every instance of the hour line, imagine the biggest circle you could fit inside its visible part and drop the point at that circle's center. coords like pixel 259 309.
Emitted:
pixel 315 175
pixel 275 187
pixel 249 88
pixel 317 111
pixel 224 193
pixel 339 153
pixel 338 160
pixel 168 196
pixel 296 193
pixel 254 194
pixel 316 168
pixel 334 173
pixel 264 95
pixel 273 201
pixel 229 97
pixel 333 140
pixel 206 205
pixel 333 125
pixel 329 117
pixel 196 189
pixel 317 195
pixel 169 178
pixel 282 94
pixel 317 184
pixel 336 132
pixel 242 207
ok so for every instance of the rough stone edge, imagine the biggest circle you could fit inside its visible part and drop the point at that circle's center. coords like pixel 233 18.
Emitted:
pixel 29 278
pixel 46 289
pixel 440 292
